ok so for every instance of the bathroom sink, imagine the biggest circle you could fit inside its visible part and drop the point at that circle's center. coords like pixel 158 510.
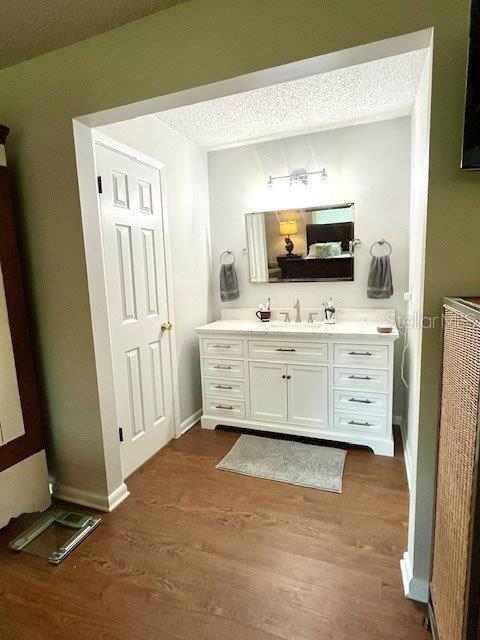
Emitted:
pixel 295 326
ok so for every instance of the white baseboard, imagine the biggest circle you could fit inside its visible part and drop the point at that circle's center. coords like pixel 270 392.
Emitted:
pixel 118 496
pixel 413 588
pixel 191 421
pixel 408 458
pixel 90 499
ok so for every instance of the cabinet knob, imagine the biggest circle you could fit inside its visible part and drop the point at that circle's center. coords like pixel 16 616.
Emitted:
pixel 284 376
pixel 289 377
pixel 166 326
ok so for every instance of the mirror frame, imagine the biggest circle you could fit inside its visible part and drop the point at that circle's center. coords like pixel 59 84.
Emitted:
pixel 304 209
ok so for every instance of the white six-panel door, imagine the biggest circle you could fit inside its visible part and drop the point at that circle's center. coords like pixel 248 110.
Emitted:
pixel 134 254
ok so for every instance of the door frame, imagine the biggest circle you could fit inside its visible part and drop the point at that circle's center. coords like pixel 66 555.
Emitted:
pixel 86 140
pixel 419 520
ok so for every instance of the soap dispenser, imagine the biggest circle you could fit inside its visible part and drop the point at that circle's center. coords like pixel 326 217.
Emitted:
pixel 329 311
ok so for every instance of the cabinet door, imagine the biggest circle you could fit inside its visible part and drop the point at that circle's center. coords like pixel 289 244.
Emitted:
pixel 308 395
pixel 268 391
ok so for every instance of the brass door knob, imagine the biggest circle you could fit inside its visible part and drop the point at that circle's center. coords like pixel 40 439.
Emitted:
pixel 167 326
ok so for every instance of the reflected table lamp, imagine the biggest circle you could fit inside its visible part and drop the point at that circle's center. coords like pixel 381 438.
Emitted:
pixel 288 228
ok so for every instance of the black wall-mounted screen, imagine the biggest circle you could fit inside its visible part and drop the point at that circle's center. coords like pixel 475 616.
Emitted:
pixel 471 131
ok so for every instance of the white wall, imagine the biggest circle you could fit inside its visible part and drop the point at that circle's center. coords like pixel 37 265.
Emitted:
pixel 189 227
pixel 416 562
pixel 367 164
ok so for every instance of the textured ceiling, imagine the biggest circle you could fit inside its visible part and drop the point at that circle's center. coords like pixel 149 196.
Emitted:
pixel 29 28
pixel 368 92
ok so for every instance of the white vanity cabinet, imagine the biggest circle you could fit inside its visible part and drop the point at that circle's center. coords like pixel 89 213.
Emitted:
pixel 326 382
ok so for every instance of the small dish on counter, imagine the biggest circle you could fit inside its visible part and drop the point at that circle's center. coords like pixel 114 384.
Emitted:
pixel 384 327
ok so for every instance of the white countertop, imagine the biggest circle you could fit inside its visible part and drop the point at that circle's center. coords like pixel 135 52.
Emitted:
pixel 354 328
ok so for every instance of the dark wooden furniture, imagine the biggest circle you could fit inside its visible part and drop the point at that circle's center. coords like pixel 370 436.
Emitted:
pixel 455 576
pixel 340 268
pixel 316 268
pixel 32 440
pixel 334 232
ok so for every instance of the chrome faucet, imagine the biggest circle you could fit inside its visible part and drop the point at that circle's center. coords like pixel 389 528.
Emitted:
pixel 296 306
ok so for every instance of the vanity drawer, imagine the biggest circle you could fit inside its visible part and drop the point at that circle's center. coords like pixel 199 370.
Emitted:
pixel 357 422
pixel 291 350
pixel 224 368
pixel 368 379
pixel 364 401
pixel 224 388
pixel 354 354
pixel 228 408
pixel 222 346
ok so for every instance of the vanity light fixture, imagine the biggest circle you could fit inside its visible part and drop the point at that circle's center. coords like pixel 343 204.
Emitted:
pixel 298 177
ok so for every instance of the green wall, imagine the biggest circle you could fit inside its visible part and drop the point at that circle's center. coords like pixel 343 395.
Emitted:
pixel 191 44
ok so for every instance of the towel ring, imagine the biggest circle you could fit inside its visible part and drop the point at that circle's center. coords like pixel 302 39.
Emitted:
pixel 228 252
pixel 381 242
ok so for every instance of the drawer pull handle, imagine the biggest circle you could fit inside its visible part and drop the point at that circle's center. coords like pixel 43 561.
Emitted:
pixel 360 400
pixel 359 377
pixel 360 424
pixel 221 346
pixel 223 386
pixel 223 406
pixel 286 350
pixel 359 353
pixel 220 366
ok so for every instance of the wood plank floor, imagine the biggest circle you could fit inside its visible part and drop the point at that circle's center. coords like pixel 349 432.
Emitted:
pixel 201 554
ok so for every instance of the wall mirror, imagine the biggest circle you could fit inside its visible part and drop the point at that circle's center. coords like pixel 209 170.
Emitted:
pixel 11 418
pixel 301 245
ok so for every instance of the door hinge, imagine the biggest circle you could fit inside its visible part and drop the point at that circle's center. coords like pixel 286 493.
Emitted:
pixel 120 434
pixel 99 184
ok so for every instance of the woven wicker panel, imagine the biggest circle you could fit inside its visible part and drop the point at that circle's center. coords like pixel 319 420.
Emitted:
pixel 456 461
pixel 473 302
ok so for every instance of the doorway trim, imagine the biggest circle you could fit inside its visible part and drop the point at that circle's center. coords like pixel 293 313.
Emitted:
pixel 83 125
pixel 85 143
